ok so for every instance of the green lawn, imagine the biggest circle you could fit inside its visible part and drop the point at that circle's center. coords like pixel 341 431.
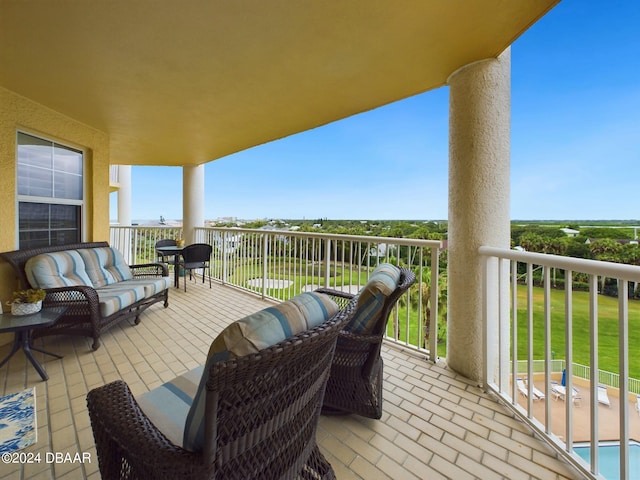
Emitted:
pixel 607 325
pixel 607 329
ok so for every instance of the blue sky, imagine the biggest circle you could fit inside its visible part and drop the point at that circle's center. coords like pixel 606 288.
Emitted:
pixel 575 141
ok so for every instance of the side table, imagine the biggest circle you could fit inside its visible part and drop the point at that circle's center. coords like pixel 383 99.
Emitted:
pixel 22 325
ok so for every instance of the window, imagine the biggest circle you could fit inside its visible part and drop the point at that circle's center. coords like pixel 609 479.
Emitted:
pixel 50 192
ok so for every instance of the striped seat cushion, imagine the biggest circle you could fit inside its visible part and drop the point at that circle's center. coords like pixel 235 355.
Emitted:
pixel 382 282
pixel 105 266
pixel 113 298
pixel 168 405
pixel 151 285
pixel 250 335
pixel 57 269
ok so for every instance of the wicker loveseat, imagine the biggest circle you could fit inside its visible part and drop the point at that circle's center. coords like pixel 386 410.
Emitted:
pixel 250 412
pixel 93 281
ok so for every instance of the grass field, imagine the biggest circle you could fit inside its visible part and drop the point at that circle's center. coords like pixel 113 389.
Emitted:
pixel 607 329
pixel 607 324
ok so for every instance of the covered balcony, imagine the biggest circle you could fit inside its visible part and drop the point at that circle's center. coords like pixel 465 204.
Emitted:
pixel 183 85
pixel 436 422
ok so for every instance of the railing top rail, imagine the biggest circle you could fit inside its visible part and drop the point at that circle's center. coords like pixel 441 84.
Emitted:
pixel 594 267
pixel 335 236
pixel 145 227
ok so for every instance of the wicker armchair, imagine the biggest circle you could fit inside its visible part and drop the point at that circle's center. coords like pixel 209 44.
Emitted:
pixel 261 417
pixel 355 384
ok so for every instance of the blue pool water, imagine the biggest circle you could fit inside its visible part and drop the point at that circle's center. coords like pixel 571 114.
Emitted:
pixel 609 459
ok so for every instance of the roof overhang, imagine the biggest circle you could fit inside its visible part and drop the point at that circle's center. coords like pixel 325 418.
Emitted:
pixel 178 83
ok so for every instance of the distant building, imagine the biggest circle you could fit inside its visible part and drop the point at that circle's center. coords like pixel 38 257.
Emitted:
pixel 570 232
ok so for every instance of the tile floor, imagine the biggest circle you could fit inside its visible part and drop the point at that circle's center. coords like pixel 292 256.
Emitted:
pixel 436 424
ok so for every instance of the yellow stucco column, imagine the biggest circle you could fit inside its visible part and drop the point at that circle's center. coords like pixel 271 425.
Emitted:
pixel 479 146
pixel 192 201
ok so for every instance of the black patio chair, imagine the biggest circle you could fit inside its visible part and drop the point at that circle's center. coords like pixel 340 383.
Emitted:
pixel 195 256
pixel 164 257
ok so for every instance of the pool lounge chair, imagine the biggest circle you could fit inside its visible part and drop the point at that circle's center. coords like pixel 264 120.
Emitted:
pixel 602 395
pixel 524 390
pixel 536 393
pixel 638 404
pixel 560 392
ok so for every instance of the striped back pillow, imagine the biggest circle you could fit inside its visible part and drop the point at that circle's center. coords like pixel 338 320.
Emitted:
pixel 250 335
pixel 382 282
pixel 105 265
pixel 57 269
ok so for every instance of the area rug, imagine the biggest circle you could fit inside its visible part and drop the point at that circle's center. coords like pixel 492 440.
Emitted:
pixel 18 420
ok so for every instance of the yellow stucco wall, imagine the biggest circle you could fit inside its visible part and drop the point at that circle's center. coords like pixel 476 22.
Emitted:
pixel 19 113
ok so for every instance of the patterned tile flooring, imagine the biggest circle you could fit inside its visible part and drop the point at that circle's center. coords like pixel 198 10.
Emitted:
pixel 436 424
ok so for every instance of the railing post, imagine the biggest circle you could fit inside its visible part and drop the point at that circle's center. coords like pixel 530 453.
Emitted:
pixel 435 291
pixel 514 329
pixel 530 339
pixel 503 318
pixel 623 332
pixel 265 263
pixel 134 245
pixel 490 345
pixel 225 265
pixel 593 370
pixel 568 367
pixel 547 344
pixel 327 261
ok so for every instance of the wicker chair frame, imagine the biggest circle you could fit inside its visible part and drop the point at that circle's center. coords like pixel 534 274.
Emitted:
pixel 355 384
pixel 82 316
pixel 261 417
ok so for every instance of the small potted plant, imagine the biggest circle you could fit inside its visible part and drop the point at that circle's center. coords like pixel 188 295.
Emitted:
pixel 27 301
pixel 180 242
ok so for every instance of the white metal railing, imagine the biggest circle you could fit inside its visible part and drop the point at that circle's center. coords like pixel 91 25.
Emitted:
pixel 278 264
pixel 502 344
pixel 137 244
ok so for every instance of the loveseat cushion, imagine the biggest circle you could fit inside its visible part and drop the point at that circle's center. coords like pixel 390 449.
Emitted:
pixel 151 285
pixel 250 335
pixel 115 297
pixel 105 266
pixel 382 282
pixel 57 269
pixel 167 406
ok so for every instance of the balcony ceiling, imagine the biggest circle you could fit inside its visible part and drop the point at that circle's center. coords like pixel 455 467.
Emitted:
pixel 178 83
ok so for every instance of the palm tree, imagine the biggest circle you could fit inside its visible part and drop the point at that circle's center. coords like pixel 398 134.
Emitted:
pixel 555 246
pixel 532 242
pixel 630 254
pixel 420 300
pixel 607 250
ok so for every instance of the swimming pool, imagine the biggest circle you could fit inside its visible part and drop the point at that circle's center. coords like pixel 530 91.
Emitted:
pixel 609 458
